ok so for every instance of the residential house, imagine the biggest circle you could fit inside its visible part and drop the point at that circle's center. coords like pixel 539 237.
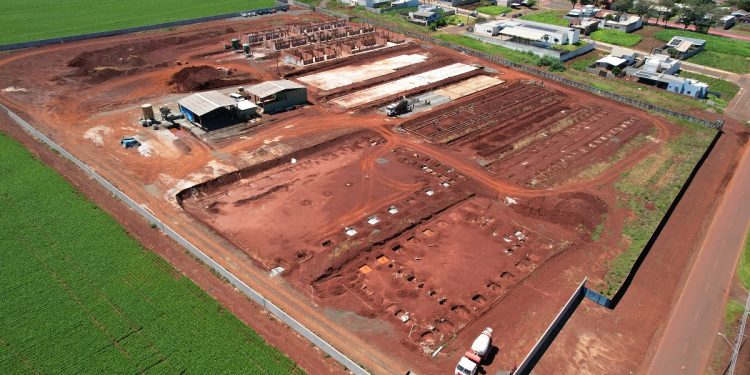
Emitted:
pixel 726 22
pixel 681 47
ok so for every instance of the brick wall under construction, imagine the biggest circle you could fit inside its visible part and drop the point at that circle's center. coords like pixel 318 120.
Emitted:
pixel 341 47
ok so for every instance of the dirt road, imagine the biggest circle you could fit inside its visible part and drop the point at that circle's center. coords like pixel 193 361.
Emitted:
pixel 691 331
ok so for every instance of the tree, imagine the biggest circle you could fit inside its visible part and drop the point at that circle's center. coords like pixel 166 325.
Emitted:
pixel 741 4
pixel 642 8
pixel 701 13
pixel 622 6
pixel 665 10
pixel 532 3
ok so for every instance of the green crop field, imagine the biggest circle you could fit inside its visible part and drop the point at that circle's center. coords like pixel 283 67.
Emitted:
pixel 79 295
pixel 23 20
pixel 616 37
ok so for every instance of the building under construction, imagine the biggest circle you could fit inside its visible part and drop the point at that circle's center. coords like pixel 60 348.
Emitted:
pixel 343 47
pixel 306 43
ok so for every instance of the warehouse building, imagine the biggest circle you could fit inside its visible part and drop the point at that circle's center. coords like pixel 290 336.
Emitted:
pixel 276 96
pixel 210 110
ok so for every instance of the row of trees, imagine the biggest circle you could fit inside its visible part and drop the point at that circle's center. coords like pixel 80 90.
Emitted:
pixel 702 13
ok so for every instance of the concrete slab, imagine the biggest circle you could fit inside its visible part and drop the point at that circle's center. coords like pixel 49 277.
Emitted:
pixel 468 86
pixel 404 84
pixel 348 75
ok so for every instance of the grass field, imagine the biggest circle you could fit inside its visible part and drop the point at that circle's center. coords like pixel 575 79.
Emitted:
pixel 722 53
pixel 493 10
pixel 80 296
pixel 616 37
pixel 744 267
pixel 550 17
pixel 648 190
pixel 23 20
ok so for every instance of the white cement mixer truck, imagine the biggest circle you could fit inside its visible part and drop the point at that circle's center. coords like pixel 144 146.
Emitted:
pixel 469 363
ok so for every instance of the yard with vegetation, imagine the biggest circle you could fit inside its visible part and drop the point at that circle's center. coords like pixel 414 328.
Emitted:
pixel 648 190
pixel 82 296
pixel 721 53
pixel 22 20
pixel 615 37
pixel 726 89
pixel 493 10
pixel 506 53
pixel 396 18
pixel 551 17
pixel 648 94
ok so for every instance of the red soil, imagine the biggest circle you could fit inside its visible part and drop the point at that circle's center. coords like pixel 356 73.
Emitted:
pixel 340 180
pixel 272 330
pixel 204 77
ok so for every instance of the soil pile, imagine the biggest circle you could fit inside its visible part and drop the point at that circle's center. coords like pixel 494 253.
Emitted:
pixel 205 77
pixel 128 58
pixel 571 209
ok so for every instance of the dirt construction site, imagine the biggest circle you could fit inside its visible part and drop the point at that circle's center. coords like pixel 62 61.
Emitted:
pixel 390 237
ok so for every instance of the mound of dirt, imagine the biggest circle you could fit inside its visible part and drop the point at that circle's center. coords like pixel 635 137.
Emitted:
pixel 127 58
pixel 205 77
pixel 571 209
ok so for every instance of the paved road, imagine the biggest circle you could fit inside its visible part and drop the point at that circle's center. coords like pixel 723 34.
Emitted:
pixel 690 333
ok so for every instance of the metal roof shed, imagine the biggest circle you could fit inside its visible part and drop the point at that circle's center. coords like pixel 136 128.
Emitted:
pixel 208 109
pixel 275 96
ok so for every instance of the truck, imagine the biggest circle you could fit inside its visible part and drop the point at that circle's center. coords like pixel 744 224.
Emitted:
pixel 473 358
pixel 398 108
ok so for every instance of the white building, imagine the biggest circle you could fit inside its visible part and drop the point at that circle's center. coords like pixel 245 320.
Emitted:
pixel 625 22
pixel 661 64
pixel 529 31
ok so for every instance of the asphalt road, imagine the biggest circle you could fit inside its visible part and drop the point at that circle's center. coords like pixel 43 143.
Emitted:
pixel 686 344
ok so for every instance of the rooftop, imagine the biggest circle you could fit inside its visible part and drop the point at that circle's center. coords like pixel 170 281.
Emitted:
pixel 523 32
pixel 205 102
pixel 268 88
pixel 611 60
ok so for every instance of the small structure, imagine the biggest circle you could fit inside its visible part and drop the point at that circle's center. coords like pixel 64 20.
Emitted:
pixel 623 22
pixel 129 142
pixel 614 63
pixel 275 96
pixel 246 109
pixel 659 70
pixel 610 62
pixel 585 12
pixel 659 63
pixel 680 47
pixel 210 110
pixel 679 85
pixel 404 3
pixel 586 25
pixel 726 22
pixel 423 17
